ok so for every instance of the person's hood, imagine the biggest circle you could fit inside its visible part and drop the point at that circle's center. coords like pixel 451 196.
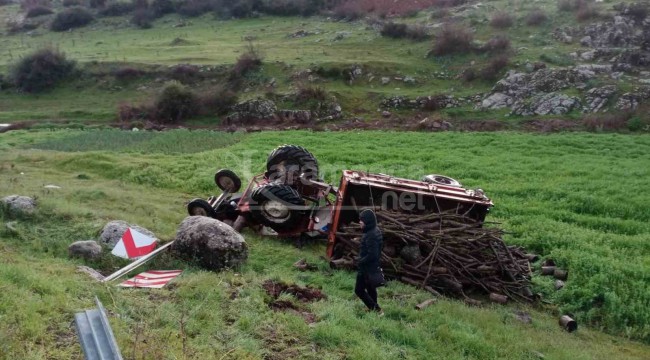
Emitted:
pixel 369 219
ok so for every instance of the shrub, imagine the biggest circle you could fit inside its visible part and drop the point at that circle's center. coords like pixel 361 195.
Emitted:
pixel 41 70
pixel 218 100
pixel 71 18
pixel 307 94
pixel 162 7
pixel 609 122
pixel 184 73
pixel 397 31
pixel 71 3
pixel 116 9
pixel 469 75
pixel 127 73
pixel 247 62
pixel 97 4
pixel 176 103
pixel 194 8
pixel 28 4
pixel 501 20
pixel 441 13
pixel 493 69
pixel 498 43
pixel 536 17
pixel 349 11
pixel 565 5
pixel 452 39
pixel 586 11
pixel 38 10
pixel 142 18
pixel 130 112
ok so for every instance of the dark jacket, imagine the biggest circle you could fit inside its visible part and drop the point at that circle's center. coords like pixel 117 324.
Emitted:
pixel 371 242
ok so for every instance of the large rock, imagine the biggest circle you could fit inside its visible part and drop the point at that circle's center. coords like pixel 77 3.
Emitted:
pixel 17 204
pixel 88 249
pixel 210 243
pixel 113 231
pixel 251 111
pixel 617 33
pixel 547 104
pixel 597 98
pixel 630 101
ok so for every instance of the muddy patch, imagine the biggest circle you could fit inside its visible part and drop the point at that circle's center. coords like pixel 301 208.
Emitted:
pixel 302 294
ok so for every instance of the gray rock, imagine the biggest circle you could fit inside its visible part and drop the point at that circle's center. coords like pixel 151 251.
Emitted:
pixel 631 100
pixel 586 41
pixel 17 204
pixel 409 80
pixel 210 243
pixel 113 231
pixel 497 101
pixel 385 80
pixel 386 114
pixel 295 116
pixel 597 98
pixel 340 35
pixel 546 104
pixel 88 249
pixel 251 111
pixel 588 55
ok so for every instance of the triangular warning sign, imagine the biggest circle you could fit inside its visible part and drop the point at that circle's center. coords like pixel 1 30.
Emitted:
pixel 134 244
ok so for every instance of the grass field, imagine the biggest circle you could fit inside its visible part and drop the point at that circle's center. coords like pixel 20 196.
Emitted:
pixel 577 198
pixel 113 42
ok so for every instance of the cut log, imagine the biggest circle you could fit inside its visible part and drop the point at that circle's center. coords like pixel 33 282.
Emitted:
pixel 424 304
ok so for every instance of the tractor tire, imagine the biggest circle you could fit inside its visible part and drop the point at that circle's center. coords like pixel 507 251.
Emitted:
pixel 441 180
pixel 277 206
pixel 286 163
pixel 227 180
pixel 200 207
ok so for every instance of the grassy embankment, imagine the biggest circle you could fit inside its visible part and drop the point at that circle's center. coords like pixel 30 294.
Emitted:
pixel 577 198
pixel 111 43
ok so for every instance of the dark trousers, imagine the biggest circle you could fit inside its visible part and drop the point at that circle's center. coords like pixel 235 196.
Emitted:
pixel 366 292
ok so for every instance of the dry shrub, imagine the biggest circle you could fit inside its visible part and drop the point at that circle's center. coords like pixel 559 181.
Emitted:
pixel 247 62
pixel 142 18
pixel 218 100
pixel 354 9
pixel 71 3
pixel 401 31
pixel 494 68
pixel 193 8
pixel 608 122
pixel 586 12
pixel 127 73
pixel 452 39
pixel 184 73
pixel 117 9
pixel 97 4
pixel 536 17
pixel 306 94
pixel 41 70
pixel 498 43
pixel 502 20
pixel 71 18
pixel 469 75
pixel 28 4
pixel 129 112
pixel 566 5
pixel 38 10
pixel 441 13
pixel 176 103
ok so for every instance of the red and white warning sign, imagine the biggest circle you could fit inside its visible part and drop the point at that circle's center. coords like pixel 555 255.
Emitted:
pixel 133 245
pixel 155 279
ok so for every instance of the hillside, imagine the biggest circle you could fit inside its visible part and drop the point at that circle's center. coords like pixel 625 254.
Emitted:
pixel 553 194
pixel 542 65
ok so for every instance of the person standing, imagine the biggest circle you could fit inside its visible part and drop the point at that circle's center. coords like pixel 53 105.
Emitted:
pixel 368 263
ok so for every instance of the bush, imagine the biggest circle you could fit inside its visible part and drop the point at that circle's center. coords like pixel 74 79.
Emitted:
pixel 610 122
pixel 71 18
pixel 452 39
pixel 586 11
pixel 127 73
pixel 398 31
pixel 247 62
pixel 498 43
pixel 129 112
pixel 492 71
pixel 38 10
pixel 28 4
pixel 116 9
pixel 536 17
pixel 162 7
pixel 218 100
pixel 97 4
pixel 501 20
pixel 176 103
pixel 142 18
pixel 469 75
pixel 349 11
pixel 41 70
pixel 308 94
pixel 441 13
pixel 71 3
pixel 566 5
pixel 184 73
pixel 194 8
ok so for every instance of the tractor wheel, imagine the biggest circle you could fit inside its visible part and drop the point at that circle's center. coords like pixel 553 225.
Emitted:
pixel 286 163
pixel 227 180
pixel 441 180
pixel 200 207
pixel 277 206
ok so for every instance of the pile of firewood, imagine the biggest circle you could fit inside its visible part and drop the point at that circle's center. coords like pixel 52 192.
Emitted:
pixel 445 252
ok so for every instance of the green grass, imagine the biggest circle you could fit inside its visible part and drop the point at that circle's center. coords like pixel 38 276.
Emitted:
pixel 577 198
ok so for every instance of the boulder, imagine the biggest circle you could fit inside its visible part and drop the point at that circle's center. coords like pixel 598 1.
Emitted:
pixel 546 104
pixel 252 110
pixel 597 98
pixel 88 249
pixel 497 101
pixel 113 231
pixel 210 243
pixel 17 204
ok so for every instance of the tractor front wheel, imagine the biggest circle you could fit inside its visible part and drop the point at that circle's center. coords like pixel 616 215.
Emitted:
pixel 279 207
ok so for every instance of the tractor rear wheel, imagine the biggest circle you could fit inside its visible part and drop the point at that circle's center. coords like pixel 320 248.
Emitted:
pixel 286 163
pixel 200 207
pixel 277 206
